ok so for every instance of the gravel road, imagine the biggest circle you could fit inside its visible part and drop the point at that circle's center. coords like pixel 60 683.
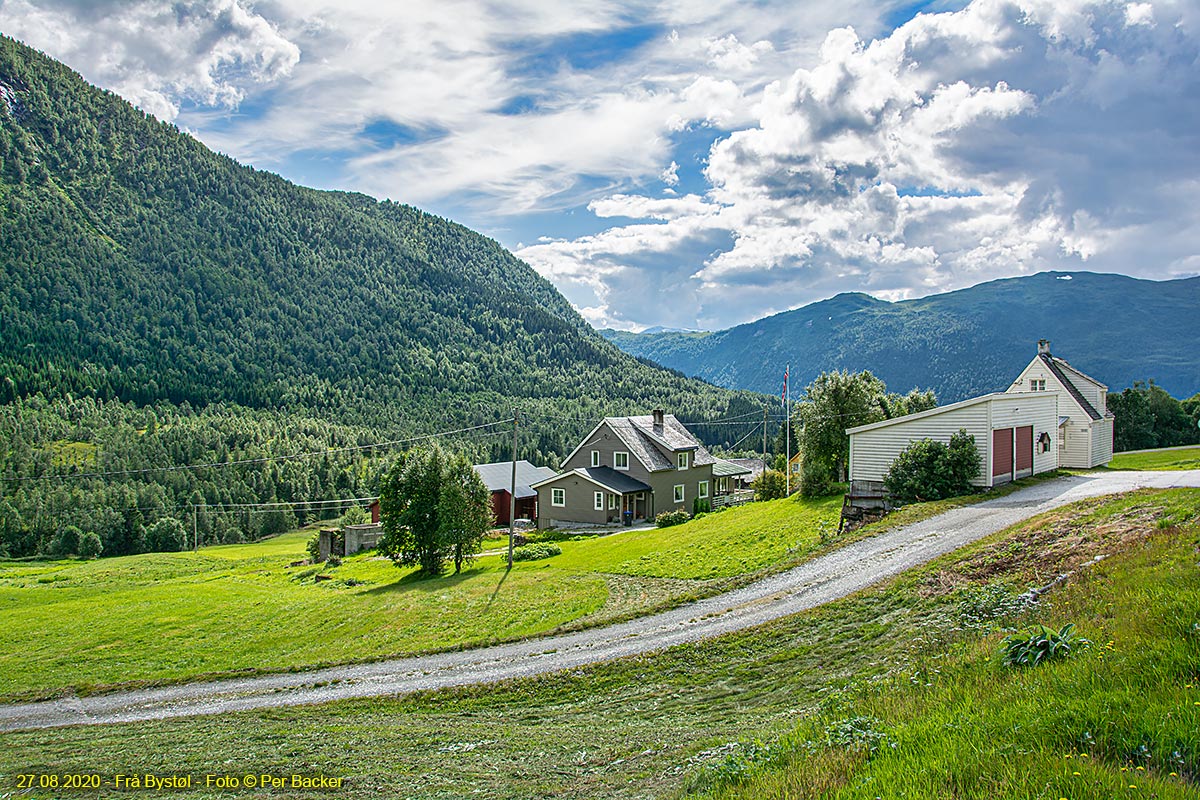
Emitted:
pixel 832 576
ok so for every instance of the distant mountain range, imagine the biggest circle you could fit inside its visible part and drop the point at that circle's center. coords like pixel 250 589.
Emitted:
pixel 137 264
pixel 964 343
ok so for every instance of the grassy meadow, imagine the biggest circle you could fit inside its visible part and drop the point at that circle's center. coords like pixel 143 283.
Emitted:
pixel 1187 458
pixel 896 691
pixel 84 625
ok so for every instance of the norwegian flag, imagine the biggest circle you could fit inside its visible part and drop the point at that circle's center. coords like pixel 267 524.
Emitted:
pixel 783 394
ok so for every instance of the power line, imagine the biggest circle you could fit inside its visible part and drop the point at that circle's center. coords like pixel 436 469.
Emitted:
pixel 260 460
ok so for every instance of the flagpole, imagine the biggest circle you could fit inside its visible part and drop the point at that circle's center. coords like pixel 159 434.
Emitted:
pixel 787 404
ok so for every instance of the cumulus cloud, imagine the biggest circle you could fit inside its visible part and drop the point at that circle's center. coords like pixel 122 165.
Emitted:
pixel 157 53
pixel 1009 137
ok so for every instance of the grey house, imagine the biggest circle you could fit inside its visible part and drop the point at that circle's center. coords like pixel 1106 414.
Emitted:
pixel 644 465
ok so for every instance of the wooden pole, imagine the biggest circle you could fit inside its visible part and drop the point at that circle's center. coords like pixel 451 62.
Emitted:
pixel 512 494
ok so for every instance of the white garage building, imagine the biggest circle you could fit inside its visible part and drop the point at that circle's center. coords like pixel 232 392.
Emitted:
pixel 1016 435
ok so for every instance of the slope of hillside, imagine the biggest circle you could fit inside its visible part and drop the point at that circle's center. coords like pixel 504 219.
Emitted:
pixel 139 265
pixel 963 343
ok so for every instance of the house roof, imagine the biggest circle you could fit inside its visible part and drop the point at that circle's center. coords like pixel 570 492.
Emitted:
pixel 1056 366
pixel 498 476
pixel 755 465
pixel 639 435
pixel 604 477
pixel 723 469
pixel 930 413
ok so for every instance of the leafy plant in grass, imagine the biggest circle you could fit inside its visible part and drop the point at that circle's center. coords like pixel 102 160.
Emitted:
pixel 668 518
pixel 1040 644
pixel 90 545
pixel 536 552
pixel 931 470
pixel 771 485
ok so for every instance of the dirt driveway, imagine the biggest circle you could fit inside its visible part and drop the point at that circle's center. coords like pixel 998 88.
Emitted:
pixel 829 577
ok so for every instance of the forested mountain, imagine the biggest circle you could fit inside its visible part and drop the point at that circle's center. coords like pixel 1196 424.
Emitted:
pixel 141 269
pixel 964 343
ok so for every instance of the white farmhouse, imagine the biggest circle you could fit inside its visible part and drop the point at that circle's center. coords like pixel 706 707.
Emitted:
pixel 1051 416
pixel 1085 436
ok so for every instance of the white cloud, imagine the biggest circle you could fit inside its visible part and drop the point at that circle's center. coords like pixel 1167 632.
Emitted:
pixel 1006 138
pixel 157 53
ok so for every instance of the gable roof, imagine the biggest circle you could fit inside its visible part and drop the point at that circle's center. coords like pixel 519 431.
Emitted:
pixel 932 412
pixel 1055 365
pixel 643 441
pixel 604 477
pixel 498 476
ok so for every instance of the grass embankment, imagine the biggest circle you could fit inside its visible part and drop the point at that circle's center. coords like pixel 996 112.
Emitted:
pixel 1188 458
pixel 809 706
pixel 175 616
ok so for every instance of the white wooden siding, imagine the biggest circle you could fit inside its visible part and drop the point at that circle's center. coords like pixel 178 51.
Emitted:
pixel 873 451
pixel 1102 442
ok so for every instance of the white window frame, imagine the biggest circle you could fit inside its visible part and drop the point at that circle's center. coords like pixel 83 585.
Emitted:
pixel 595 458
pixel 558 497
pixel 681 460
pixel 598 501
pixel 679 493
pixel 1037 384
pixel 702 490
pixel 612 502
pixel 620 456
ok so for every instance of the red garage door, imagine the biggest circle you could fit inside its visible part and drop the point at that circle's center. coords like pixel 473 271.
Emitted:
pixel 1002 455
pixel 1025 451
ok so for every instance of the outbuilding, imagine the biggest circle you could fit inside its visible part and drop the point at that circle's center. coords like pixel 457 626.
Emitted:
pixel 1016 435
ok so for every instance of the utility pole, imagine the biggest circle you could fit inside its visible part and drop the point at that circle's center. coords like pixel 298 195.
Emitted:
pixel 765 437
pixel 195 535
pixel 512 494
pixel 787 404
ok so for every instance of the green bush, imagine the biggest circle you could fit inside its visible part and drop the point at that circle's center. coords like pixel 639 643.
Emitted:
pixel 1039 644
pixel 668 518
pixel 66 543
pixel 816 479
pixel 929 470
pixel 314 548
pixel 536 552
pixel 771 485
pixel 700 507
pixel 90 545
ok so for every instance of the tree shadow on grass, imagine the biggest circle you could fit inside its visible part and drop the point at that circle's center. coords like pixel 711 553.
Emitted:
pixel 419 582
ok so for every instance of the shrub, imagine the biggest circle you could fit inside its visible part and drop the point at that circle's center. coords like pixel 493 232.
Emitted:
pixel 90 545
pixel 700 507
pixel 771 485
pixel 355 515
pixel 668 518
pixel 67 541
pixel 167 535
pixel 929 470
pixel 313 547
pixel 1039 644
pixel 816 479
pixel 536 552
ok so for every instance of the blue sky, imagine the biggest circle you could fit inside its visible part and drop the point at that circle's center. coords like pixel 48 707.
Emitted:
pixel 701 164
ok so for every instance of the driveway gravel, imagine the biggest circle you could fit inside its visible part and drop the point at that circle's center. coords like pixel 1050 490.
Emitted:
pixel 829 577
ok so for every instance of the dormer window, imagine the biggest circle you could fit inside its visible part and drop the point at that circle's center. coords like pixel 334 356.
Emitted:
pixel 681 460
pixel 1037 384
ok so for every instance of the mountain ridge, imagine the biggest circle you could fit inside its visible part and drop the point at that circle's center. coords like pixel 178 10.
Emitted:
pixel 961 343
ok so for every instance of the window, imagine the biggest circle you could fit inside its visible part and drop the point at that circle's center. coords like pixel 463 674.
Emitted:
pixel 599 498
pixel 612 502
pixel 558 497
pixel 682 460
pixel 595 458
pixel 679 493
pixel 621 461
pixel 1037 384
pixel 703 490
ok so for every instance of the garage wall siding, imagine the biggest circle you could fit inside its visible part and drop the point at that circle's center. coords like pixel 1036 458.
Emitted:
pixel 872 451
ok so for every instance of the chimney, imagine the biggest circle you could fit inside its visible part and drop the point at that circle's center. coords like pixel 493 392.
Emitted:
pixel 658 420
pixel 1043 347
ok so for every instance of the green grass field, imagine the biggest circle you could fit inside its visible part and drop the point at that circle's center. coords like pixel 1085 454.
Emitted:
pixel 175 616
pixel 1158 459
pixel 894 692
